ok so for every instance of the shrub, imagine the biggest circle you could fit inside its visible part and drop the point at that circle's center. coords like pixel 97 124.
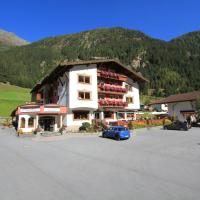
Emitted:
pixel 167 121
pixel 19 132
pixel 131 125
pixel 62 129
pixel 139 126
pixel 86 126
pixel 7 122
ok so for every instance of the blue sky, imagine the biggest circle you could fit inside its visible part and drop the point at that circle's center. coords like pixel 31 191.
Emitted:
pixel 37 19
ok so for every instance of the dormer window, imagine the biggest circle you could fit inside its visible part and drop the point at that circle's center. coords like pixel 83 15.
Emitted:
pixel 84 79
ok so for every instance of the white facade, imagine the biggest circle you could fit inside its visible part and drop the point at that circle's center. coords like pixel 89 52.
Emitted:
pixel 75 87
pixel 134 93
pixel 26 128
pixel 175 108
pixel 68 94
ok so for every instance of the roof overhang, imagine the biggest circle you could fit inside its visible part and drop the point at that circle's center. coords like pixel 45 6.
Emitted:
pixel 64 66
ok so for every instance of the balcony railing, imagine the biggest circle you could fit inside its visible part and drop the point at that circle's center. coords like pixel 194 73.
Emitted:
pixel 107 88
pixel 111 75
pixel 112 103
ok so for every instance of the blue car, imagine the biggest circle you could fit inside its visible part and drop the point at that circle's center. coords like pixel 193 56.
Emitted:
pixel 116 132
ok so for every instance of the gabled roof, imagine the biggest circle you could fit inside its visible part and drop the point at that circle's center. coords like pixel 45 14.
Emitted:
pixel 190 96
pixel 63 66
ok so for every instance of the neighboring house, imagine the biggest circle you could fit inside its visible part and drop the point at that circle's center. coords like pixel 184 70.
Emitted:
pixel 160 107
pixel 180 105
pixel 77 92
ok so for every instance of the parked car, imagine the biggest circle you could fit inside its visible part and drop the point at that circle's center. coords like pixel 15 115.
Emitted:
pixel 177 125
pixel 116 132
pixel 195 124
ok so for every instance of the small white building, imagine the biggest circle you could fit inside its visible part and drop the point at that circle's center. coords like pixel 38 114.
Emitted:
pixel 180 106
pixel 81 92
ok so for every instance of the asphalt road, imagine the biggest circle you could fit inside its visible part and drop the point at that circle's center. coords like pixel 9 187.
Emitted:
pixel 152 165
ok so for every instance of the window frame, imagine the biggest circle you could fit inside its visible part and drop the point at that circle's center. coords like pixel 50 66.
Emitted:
pixel 84 94
pixel 23 122
pixel 29 125
pixel 128 100
pixel 77 119
pixel 84 79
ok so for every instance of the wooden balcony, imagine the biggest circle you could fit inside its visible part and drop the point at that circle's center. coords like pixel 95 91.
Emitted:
pixel 110 89
pixel 111 75
pixel 112 103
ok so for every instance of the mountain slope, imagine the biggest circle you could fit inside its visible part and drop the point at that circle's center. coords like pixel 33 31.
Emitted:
pixel 10 39
pixel 170 66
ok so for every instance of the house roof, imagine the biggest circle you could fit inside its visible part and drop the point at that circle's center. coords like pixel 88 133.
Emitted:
pixel 63 66
pixel 190 96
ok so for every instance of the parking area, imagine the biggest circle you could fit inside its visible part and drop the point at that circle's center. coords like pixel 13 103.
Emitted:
pixel 152 164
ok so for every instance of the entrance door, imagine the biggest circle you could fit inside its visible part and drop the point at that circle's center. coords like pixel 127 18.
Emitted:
pixel 47 123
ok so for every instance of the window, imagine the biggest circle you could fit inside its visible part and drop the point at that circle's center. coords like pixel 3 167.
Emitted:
pixel 81 115
pixel 84 79
pixel 129 100
pixel 22 122
pixel 130 115
pixel 31 122
pixel 122 129
pixel 87 79
pixel 128 87
pixel 108 114
pixel 84 95
pixel 120 115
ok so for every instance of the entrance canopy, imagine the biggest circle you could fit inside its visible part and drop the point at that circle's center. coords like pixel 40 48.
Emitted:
pixel 40 109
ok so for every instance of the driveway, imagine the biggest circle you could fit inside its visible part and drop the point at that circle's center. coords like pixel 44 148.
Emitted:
pixel 153 165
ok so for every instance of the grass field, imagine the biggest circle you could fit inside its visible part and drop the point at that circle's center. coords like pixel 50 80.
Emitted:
pixel 11 96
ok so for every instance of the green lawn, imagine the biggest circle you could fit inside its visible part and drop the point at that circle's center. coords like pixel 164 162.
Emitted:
pixel 11 96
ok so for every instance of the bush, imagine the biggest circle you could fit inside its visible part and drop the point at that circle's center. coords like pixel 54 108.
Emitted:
pixel 86 126
pixel 19 132
pixel 7 122
pixel 167 122
pixel 139 126
pixel 131 125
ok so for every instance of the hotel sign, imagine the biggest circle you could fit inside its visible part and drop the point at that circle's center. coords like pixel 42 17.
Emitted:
pixel 29 110
pixel 51 109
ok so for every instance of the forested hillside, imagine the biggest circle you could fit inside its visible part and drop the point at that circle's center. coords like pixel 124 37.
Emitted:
pixel 171 67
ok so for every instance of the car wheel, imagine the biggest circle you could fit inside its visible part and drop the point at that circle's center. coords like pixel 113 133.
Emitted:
pixel 117 137
pixel 165 128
